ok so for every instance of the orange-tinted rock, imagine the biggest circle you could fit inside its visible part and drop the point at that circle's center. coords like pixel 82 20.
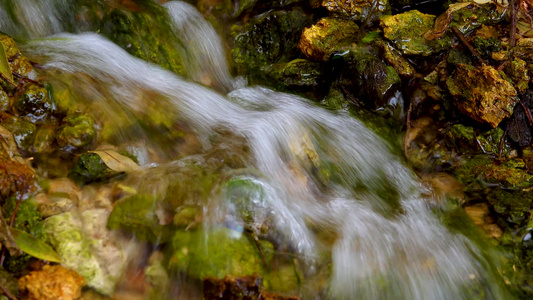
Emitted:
pixel 52 283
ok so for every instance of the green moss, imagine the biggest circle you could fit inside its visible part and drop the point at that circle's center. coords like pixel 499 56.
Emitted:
pixel 516 70
pixel 137 215
pixel 485 46
pixel 90 168
pixel 299 74
pixel 512 207
pixel 215 253
pixel 76 132
pixel 146 34
pixel 406 31
pixel 473 16
pixel 43 140
pixel 467 140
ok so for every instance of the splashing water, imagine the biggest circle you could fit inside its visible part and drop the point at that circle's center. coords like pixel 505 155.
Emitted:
pixel 319 170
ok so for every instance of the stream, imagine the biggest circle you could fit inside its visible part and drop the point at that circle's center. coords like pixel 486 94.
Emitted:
pixel 353 217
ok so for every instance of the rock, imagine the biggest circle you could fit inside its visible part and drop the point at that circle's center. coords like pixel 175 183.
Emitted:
pixel 217 252
pixel 145 33
pixel 319 41
pixel 76 132
pixel 467 139
pixel 22 130
pixel 4 100
pixel 479 213
pixel 369 80
pixel 516 70
pixel 482 94
pixel 268 38
pixel 238 288
pixel 52 283
pixel 137 215
pixel 297 75
pixel 90 168
pixel 14 177
pixel 87 247
pixel 396 60
pixel 406 32
pixel 34 104
pixel 18 63
pixel 43 141
pixel 356 9
pixel 9 283
pixel 513 208
pixel 473 16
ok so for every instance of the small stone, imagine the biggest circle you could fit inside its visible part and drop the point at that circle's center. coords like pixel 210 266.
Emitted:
pixel 319 41
pixel 52 282
pixel 482 94
pixel 356 9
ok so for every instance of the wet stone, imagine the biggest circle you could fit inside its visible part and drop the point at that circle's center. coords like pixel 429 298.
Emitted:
pixel 482 94
pixel 327 36
pixel 406 32
pixel 356 9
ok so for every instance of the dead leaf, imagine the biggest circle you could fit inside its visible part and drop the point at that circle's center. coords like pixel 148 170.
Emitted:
pixel 116 161
pixel 443 21
pixel 7 239
pixel 5 68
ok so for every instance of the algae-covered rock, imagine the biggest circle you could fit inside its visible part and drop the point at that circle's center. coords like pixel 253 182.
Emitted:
pixel 146 34
pixel 268 38
pixel 87 247
pixel 22 130
pixel 4 101
pixel 76 132
pixel 43 140
pixel 466 138
pixel 357 9
pixel 137 215
pixel 14 177
pixel 216 253
pixel 485 46
pixel 299 74
pixel 406 32
pixel 34 104
pixel 516 70
pixel 90 168
pixel 369 80
pixel 482 94
pixel 396 60
pixel 18 63
pixel 319 41
pixel 512 206
pixel 482 170
pixel 473 16
pixel 52 283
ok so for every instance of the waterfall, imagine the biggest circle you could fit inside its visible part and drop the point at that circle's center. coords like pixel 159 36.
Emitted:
pixel 389 244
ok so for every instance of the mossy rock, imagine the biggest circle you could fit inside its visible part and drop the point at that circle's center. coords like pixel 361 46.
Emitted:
pixel 216 253
pixel 482 94
pixel 137 215
pixel 146 34
pixel 34 104
pixel 471 17
pixel 357 9
pixel 268 38
pixel 297 75
pixel 466 139
pixel 327 36
pixel 511 206
pixel 90 168
pixel 23 131
pixel 76 132
pixel 406 31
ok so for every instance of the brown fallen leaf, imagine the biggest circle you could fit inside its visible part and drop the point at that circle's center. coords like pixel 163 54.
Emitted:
pixel 443 21
pixel 116 161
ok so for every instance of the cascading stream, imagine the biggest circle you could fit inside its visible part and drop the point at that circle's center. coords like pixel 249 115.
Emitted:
pixel 389 243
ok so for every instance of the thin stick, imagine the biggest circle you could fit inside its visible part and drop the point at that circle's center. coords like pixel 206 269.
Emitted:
pixel 514 8
pixel 468 45
pixel 501 144
pixel 528 114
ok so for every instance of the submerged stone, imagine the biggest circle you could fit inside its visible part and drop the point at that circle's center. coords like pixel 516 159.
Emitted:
pixel 482 94
pixel 34 104
pixel 23 131
pixel 87 247
pixel 357 9
pixel 138 215
pixel 268 38
pixel 90 168
pixel 406 32
pixel 43 141
pixel 76 132
pixel 216 253
pixel 321 40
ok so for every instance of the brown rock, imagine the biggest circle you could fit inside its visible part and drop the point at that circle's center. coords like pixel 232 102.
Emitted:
pixel 482 94
pixel 52 283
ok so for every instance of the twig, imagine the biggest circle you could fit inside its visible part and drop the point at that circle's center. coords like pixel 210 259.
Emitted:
pixel 7 293
pixel 468 45
pixel 22 78
pixel 528 114
pixel 501 144
pixel 514 8
pixel 408 129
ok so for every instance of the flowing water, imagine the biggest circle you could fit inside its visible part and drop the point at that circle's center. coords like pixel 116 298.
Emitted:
pixel 333 192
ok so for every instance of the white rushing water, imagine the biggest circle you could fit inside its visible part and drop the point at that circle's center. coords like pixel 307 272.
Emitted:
pixel 389 244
